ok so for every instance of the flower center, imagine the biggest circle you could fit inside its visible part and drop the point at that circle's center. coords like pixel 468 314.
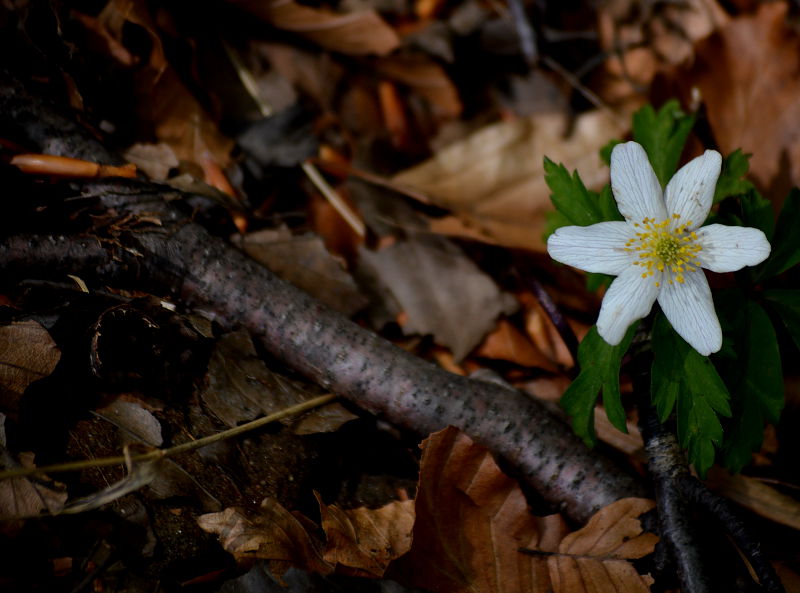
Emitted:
pixel 661 248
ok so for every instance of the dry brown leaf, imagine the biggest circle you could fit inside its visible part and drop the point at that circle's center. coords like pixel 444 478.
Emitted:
pixel 747 76
pixel 359 541
pixel 425 77
pixel 643 39
pixel 506 342
pixel 240 387
pixel 304 261
pixel 29 497
pixel 472 521
pixel 165 103
pixel 443 292
pixel 136 424
pixel 27 354
pixel 493 180
pixel 356 33
pixel 323 419
pixel 274 534
pixel 756 496
pixel 366 540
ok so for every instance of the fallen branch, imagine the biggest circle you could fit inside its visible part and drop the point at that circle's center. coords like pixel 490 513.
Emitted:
pixel 206 273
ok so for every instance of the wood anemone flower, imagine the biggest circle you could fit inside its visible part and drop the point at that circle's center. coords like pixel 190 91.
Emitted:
pixel 658 251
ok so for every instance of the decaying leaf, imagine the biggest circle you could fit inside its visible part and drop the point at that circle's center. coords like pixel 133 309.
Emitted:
pixel 27 353
pixel 29 497
pixel 240 387
pixel 441 291
pixel 358 33
pixel 755 495
pixel 136 424
pixel 506 342
pixel 747 76
pixel 642 40
pixel 323 419
pixel 359 541
pixel 472 522
pixel 366 540
pixel 274 534
pixel 304 261
pixel 493 180
pixel 165 103
pixel 425 77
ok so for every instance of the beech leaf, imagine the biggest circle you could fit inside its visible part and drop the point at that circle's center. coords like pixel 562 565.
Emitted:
pixel 473 521
pixel 358 33
pixel 358 541
pixel 27 353
pixel 305 262
pixel 493 180
pixel 442 291
pixel 367 539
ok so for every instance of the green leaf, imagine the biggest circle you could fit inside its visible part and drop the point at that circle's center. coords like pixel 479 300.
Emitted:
pixel 570 196
pixel 731 182
pixel 663 134
pixel 682 376
pixel 753 374
pixel 605 152
pixel 786 240
pixel 554 220
pixel 599 363
pixel 757 212
pixel 607 204
pixel 786 304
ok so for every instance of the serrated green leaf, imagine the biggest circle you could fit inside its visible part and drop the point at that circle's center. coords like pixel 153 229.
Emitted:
pixel 554 220
pixel 599 363
pixel 605 151
pixel 663 134
pixel 786 240
pixel 682 376
pixel 731 180
pixel 570 196
pixel 754 376
pixel 787 305
pixel 608 205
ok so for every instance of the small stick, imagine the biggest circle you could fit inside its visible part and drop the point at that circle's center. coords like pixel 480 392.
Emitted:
pixel 171 451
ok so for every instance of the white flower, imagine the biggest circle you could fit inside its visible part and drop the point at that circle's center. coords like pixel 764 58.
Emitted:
pixel 657 252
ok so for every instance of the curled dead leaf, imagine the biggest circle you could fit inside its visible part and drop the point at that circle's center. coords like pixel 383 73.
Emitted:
pixel 357 33
pixel 274 534
pixel 473 525
pixel 360 541
pixel 366 540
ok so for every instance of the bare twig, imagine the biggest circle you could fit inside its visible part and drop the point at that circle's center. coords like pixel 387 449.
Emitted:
pixel 171 451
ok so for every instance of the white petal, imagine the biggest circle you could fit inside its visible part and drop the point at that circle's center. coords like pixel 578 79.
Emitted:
pixel 690 310
pixel 630 297
pixel 596 248
pixel 690 192
pixel 635 185
pixel 730 248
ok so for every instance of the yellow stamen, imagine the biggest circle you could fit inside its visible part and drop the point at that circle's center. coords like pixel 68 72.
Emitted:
pixel 664 249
